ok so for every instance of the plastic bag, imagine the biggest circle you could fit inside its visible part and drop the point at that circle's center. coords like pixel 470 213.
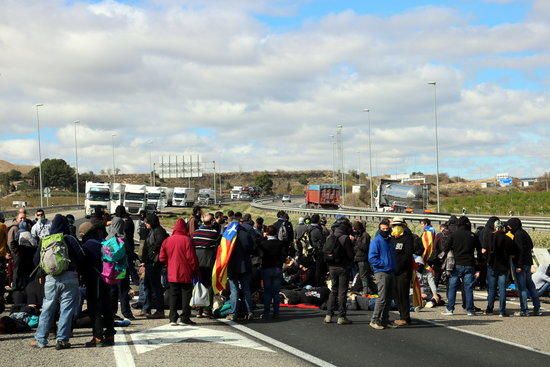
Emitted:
pixel 200 296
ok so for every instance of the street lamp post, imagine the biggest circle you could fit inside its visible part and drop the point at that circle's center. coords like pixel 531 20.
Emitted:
pixel 367 110
pixel 333 159
pixel 151 171
pixel 436 146
pixel 113 145
pixel 340 142
pixel 214 165
pixel 39 154
pixel 76 162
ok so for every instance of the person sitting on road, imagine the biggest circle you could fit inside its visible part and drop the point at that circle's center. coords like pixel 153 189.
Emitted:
pixel 382 260
pixel 178 253
pixel 542 279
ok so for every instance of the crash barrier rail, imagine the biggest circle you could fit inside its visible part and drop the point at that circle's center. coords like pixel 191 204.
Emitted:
pixel 264 204
pixel 47 209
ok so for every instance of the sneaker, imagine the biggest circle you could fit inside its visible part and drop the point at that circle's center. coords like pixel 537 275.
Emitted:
pixel 173 324
pixel 199 315
pixel 95 342
pixel 537 313
pixel 36 344
pixel 328 319
pixel 390 325
pixel 488 312
pixel 521 314
pixel 477 309
pixel 447 313
pixel 502 314
pixel 187 322
pixel 230 317
pixel 250 316
pixel 62 344
pixel 470 313
pixel 156 315
pixel 344 321
pixel 129 317
pixel 108 341
pixel 376 325
pixel 400 322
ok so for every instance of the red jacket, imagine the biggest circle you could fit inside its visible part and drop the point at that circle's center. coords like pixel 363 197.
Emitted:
pixel 178 253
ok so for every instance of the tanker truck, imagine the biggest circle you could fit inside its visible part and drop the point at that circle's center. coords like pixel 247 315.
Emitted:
pixel 394 196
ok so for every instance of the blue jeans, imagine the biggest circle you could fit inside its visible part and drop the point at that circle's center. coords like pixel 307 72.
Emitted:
pixel 240 282
pixel 542 290
pixel 526 288
pixel 466 274
pixel 272 278
pixel 493 278
pixel 59 290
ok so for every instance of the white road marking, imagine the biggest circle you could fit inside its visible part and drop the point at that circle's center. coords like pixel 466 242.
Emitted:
pixel 158 337
pixel 287 348
pixel 122 351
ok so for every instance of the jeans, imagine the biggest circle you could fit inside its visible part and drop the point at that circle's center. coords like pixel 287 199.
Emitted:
pixel 544 289
pixel 59 290
pixel 495 277
pixel 180 292
pixel 154 293
pixel 526 288
pixel 240 282
pixel 339 278
pixel 272 278
pixel 466 275
pixel 206 280
pixel 385 283
pixel 119 293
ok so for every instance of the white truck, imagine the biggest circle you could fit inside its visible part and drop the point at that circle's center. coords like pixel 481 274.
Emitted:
pixel 156 198
pixel 206 197
pixel 135 199
pixel 117 196
pixel 236 192
pixel 98 195
pixel 184 196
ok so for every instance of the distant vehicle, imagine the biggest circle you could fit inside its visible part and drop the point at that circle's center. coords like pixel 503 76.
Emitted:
pixel 19 203
pixel 286 199
pixel 98 195
pixel 156 198
pixel 183 196
pixel 135 199
pixel 245 192
pixel 206 197
pixel 326 196
pixel 393 196
pixel 117 196
pixel 236 192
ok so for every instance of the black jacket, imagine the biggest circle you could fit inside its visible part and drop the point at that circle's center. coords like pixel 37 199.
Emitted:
pixel 153 242
pixel 273 253
pixel 317 237
pixel 405 249
pixel 361 247
pixel 341 233
pixel 241 262
pixel 499 252
pixel 523 242
pixel 463 243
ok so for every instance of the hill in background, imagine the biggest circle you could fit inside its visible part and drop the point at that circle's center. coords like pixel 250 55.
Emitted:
pixel 6 166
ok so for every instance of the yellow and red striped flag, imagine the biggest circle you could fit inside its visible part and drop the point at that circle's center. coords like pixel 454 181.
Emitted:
pixel 223 255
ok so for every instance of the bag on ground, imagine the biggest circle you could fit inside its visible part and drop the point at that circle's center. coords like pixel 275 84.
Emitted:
pixel 54 254
pixel 200 297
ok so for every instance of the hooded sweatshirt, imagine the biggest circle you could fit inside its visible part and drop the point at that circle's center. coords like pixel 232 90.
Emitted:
pixel 404 250
pixel 178 253
pixel 116 228
pixel 463 243
pixel 155 237
pixel 523 242
pixel 382 255
pixel 500 250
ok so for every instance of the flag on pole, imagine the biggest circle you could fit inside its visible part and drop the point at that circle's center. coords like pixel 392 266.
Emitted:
pixel 223 255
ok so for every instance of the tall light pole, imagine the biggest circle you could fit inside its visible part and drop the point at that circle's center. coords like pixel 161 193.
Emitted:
pixel 367 110
pixel 113 144
pixel 340 143
pixel 76 161
pixel 436 146
pixel 333 159
pixel 151 171
pixel 214 165
pixel 39 154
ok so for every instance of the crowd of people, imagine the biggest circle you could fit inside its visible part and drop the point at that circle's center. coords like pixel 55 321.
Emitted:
pixel 50 269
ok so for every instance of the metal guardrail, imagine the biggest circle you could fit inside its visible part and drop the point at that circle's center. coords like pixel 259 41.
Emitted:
pixel 47 209
pixel 539 225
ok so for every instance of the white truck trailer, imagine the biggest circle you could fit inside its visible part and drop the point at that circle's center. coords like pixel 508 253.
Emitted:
pixel 98 195
pixel 184 196
pixel 135 198
pixel 156 198
pixel 117 196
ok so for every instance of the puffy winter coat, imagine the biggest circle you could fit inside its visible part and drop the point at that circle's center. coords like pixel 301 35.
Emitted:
pixel 178 253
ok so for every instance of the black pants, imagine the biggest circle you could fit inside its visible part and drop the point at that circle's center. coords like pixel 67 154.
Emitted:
pixel 339 278
pixel 3 282
pixel 98 295
pixel 181 291
pixel 206 280
pixel 154 293
pixel 320 270
pixel 366 277
pixel 119 293
pixel 402 290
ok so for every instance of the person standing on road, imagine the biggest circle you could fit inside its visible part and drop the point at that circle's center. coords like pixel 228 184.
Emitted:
pixel 361 243
pixel 498 254
pixel 178 254
pixel 463 244
pixel 4 255
pixel 205 241
pixel 60 291
pixel 154 294
pixel 522 264
pixel 404 244
pixel 42 226
pixel 317 238
pixel 339 260
pixel 194 221
pixel 273 257
pixel 382 260
pixel 98 293
pixel 285 232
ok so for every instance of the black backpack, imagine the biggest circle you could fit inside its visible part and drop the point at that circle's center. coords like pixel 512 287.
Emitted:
pixel 333 249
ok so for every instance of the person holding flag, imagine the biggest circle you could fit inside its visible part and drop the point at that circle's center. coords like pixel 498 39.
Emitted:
pixel 233 263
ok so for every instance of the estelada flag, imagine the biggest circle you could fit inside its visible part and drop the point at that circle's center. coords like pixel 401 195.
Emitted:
pixel 223 255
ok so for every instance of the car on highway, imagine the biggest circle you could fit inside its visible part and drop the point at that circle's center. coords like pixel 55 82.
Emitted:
pixel 286 199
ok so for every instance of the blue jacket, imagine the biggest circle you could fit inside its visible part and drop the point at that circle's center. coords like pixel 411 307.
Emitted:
pixel 381 255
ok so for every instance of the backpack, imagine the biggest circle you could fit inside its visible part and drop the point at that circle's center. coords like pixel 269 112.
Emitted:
pixel 54 254
pixel 114 260
pixel 333 251
pixel 25 239
pixel 304 244
pixel 283 233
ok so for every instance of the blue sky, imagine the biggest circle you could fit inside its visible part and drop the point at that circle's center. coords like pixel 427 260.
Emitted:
pixel 235 77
